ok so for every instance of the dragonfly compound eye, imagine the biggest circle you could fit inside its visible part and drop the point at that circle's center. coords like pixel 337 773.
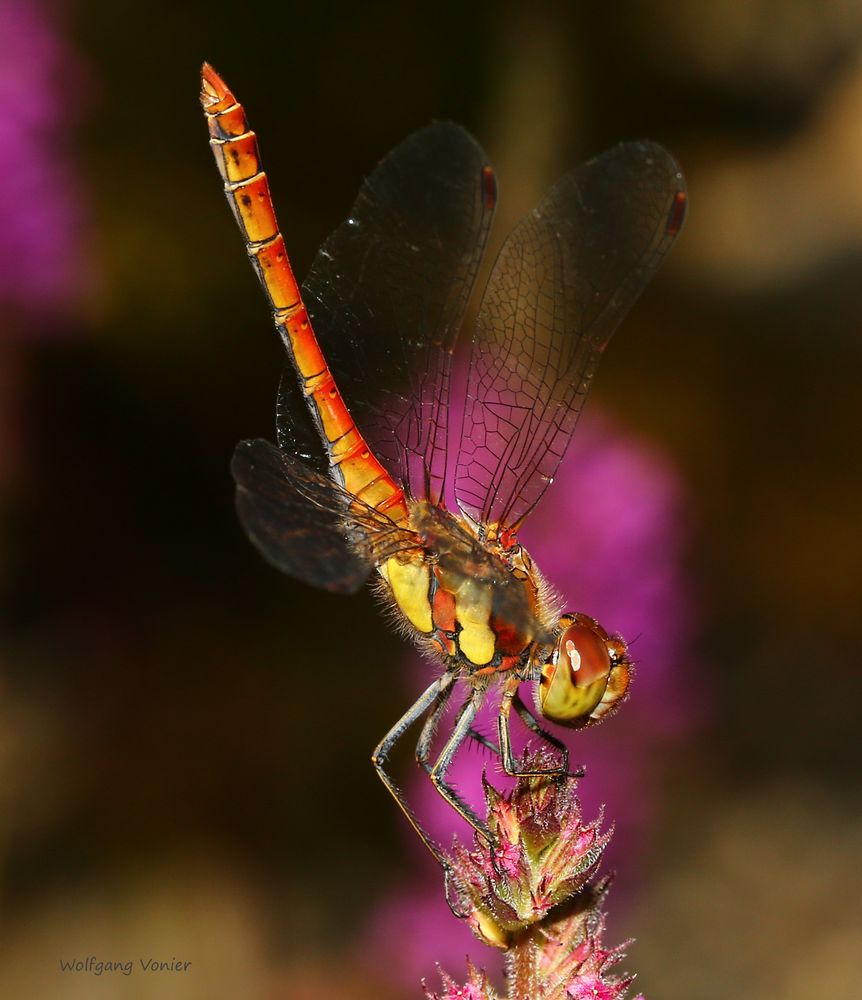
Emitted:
pixel 574 678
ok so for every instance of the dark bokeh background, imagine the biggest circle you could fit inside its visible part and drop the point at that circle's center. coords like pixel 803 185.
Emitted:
pixel 185 734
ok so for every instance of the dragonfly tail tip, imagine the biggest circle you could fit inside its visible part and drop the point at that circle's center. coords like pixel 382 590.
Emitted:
pixel 213 89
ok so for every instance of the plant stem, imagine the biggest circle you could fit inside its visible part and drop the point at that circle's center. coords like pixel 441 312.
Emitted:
pixel 521 968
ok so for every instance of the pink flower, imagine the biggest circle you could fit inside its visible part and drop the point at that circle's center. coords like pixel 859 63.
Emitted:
pixel 466 992
pixel 42 257
pixel 506 859
pixel 590 987
pixel 546 915
pixel 476 988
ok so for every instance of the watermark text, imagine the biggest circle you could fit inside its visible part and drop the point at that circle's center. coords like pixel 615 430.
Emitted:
pixel 95 966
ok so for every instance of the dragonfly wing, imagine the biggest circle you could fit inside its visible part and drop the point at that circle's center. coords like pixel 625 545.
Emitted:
pixel 387 292
pixel 296 519
pixel 295 428
pixel 564 279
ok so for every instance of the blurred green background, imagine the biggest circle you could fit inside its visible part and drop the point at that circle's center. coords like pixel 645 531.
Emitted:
pixel 185 733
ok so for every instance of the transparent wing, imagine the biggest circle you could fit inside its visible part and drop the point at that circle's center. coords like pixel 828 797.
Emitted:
pixel 387 293
pixel 304 524
pixel 295 430
pixel 565 278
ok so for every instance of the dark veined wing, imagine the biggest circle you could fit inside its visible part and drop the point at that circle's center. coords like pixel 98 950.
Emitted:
pixel 296 432
pixel 304 524
pixel 387 292
pixel 564 279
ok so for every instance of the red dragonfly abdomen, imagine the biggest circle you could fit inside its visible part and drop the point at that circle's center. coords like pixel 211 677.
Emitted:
pixel 235 149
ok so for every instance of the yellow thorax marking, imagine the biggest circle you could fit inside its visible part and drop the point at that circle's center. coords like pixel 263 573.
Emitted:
pixel 473 611
pixel 410 583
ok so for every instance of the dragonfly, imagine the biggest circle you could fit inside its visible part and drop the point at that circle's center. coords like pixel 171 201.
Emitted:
pixel 371 477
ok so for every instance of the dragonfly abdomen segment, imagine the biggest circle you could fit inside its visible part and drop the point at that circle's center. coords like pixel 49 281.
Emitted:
pixel 235 148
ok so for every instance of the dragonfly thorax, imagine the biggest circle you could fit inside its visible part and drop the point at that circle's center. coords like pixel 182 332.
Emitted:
pixel 471 600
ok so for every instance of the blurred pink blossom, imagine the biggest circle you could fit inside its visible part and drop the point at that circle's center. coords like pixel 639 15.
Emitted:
pixel 42 255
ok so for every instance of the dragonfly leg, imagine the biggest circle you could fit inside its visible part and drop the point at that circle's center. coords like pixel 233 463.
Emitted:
pixel 511 698
pixel 423 744
pixel 460 732
pixel 483 741
pixel 437 691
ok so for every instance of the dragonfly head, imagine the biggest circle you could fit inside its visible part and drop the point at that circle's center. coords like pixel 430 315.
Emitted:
pixel 586 674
